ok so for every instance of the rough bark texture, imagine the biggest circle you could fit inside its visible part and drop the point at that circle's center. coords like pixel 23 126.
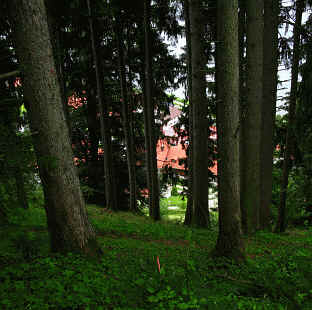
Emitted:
pixel 229 241
pixel 200 123
pixel 252 122
pixel 149 105
pixel 110 183
pixel 290 136
pixel 189 207
pixel 242 85
pixel 129 141
pixel 55 32
pixel 270 65
pixel 67 219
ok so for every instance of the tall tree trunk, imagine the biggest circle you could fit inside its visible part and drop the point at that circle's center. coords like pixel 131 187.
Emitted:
pixel 242 89
pixel 110 183
pixel 229 243
pixel 189 206
pixel 270 66
pixel 67 219
pixel 150 107
pixel 55 34
pixel 252 123
pixel 200 128
pixel 92 122
pixel 290 136
pixel 126 120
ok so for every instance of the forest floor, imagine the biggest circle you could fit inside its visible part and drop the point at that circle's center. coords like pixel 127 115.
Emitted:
pixel 148 265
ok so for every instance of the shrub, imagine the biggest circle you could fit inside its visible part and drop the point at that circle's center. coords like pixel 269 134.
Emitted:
pixel 174 191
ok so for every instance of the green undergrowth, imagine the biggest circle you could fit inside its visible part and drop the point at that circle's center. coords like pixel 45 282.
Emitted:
pixel 277 274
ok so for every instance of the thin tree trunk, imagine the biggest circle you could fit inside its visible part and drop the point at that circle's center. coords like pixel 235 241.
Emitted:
pixel 15 146
pixel 126 121
pixel 147 148
pixel 20 189
pixel 200 123
pixel 189 207
pixel 270 66
pixel 110 184
pixel 150 107
pixel 67 219
pixel 93 140
pixel 229 243
pixel 252 123
pixel 290 136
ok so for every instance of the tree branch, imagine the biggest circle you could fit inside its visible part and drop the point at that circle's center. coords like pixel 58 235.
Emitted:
pixel 9 74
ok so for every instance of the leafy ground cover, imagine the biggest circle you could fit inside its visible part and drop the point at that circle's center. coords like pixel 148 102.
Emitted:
pixel 148 265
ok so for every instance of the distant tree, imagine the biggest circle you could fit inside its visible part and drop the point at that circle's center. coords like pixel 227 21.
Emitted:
pixel 270 65
pixel 149 121
pixel 189 207
pixel 251 119
pixel 126 119
pixel 67 219
pixel 304 131
pixel 110 175
pixel 290 136
pixel 229 243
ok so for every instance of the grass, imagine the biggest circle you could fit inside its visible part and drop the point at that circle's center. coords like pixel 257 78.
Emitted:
pixel 173 208
pixel 277 274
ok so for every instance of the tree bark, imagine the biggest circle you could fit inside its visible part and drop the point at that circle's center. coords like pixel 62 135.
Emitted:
pixel 54 29
pixel 200 123
pixel 252 123
pixel 154 210
pixel 129 141
pixel 189 206
pixel 229 243
pixel 270 66
pixel 67 219
pixel 242 88
pixel 93 139
pixel 290 135
pixel 110 182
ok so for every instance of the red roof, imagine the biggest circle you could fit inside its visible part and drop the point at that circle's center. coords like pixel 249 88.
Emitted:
pixel 170 155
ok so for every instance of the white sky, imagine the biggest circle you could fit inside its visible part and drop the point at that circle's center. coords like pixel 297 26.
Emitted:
pixel 283 75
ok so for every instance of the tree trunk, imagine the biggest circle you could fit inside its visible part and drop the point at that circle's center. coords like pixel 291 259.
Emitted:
pixel 110 183
pixel 67 219
pixel 270 66
pixel 229 243
pixel 189 206
pixel 126 120
pixel 242 88
pixel 20 188
pixel 150 107
pixel 93 139
pixel 200 123
pixel 54 30
pixel 252 123
pixel 290 136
